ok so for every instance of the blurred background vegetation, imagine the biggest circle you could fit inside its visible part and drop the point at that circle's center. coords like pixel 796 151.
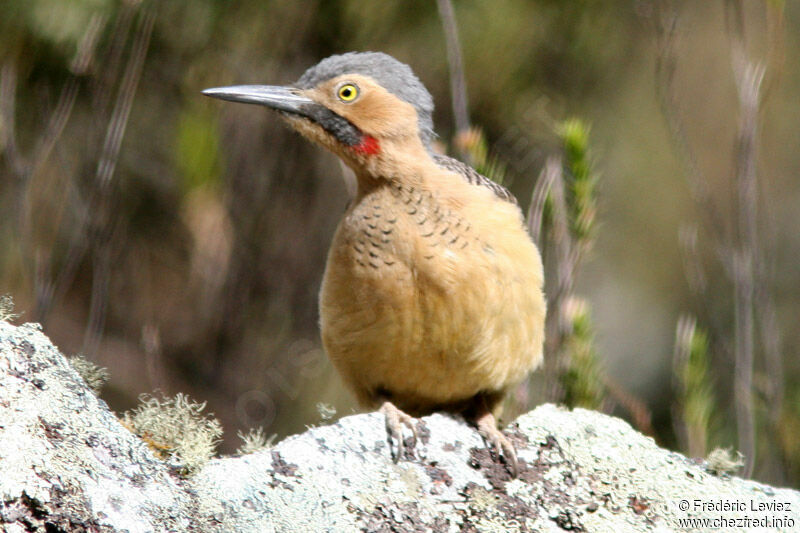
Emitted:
pixel 180 242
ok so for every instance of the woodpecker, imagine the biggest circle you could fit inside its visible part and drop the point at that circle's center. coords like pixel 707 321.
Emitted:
pixel 432 296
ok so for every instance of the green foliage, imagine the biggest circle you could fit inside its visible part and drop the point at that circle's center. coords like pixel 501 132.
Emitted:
pixel 473 144
pixel 176 428
pixel 579 177
pixel 197 151
pixel 63 24
pixel 695 391
pixel 94 376
pixel 564 204
pixel 568 211
pixel 698 402
pixel 583 378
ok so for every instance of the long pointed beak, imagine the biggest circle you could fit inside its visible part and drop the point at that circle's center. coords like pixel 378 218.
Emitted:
pixel 277 97
pixel 289 100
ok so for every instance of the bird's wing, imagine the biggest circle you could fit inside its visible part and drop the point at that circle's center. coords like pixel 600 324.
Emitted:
pixel 473 177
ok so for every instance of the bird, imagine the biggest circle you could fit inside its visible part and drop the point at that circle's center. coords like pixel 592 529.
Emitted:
pixel 432 296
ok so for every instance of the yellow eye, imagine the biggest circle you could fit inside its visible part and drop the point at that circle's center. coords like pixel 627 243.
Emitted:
pixel 348 92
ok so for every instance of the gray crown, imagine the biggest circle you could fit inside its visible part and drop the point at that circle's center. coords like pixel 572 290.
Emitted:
pixel 391 74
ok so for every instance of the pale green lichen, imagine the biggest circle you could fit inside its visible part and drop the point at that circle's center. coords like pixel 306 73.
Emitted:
pixel 7 308
pixel 176 428
pixel 481 499
pixel 326 411
pixel 722 461
pixel 94 376
pixel 254 440
pixel 485 513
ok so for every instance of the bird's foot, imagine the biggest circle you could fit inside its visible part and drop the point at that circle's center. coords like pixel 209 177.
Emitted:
pixel 395 420
pixel 497 441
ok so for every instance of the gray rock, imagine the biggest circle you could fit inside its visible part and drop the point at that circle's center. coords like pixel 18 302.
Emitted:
pixel 66 464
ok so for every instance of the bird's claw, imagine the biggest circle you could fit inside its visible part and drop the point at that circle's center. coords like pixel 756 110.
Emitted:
pixel 487 427
pixel 395 420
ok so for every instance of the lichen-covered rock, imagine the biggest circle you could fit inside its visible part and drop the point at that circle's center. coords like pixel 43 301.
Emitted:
pixel 66 464
pixel 65 460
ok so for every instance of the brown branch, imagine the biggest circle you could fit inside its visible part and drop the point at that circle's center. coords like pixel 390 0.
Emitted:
pixel 458 86
pixel 549 174
pixel 666 23
pixel 692 266
pixel 84 57
pixel 639 412
pixel 556 324
pixel 696 277
pixel 768 327
pixel 26 169
pixel 109 156
pixel 8 133
pixel 112 62
pixel 119 117
pixel 748 77
pixel 55 126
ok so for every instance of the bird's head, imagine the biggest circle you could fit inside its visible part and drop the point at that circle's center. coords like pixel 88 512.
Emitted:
pixel 361 106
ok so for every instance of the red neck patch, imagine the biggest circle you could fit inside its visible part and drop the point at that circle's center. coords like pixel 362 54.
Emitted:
pixel 368 146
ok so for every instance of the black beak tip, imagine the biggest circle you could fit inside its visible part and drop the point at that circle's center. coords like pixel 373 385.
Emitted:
pixel 213 92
